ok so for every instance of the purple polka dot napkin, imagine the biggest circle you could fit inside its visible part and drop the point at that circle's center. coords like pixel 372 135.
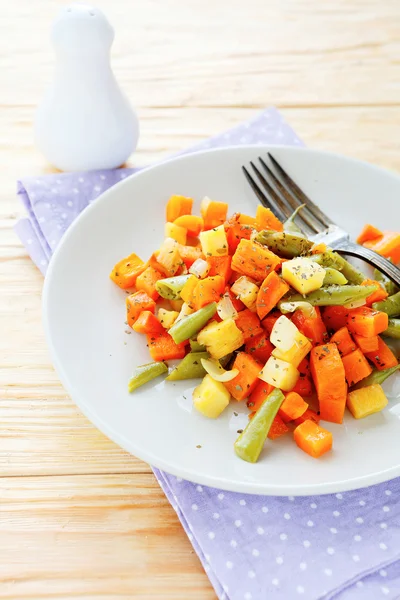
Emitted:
pixel 340 546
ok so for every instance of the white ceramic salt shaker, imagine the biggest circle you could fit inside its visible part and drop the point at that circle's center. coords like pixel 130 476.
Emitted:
pixel 84 121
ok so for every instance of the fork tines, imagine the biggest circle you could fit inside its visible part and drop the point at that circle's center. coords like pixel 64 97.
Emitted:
pixel 282 195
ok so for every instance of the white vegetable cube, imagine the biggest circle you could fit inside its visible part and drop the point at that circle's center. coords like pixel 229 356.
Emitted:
pixel 279 373
pixel 303 274
pixel 291 345
pixel 211 397
pixel 246 290
pixel 214 242
pixel 200 268
pixel 225 308
pixel 283 334
pixel 176 232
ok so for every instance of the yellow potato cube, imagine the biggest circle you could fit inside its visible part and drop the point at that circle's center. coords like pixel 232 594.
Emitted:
pixel 291 345
pixel 366 401
pixel 246 290
pixel 169 256
pixel 214 242
pixel 211 397
pixel 296 354
pixel 167 317
pixel 303 274
pixel 222 338
pixel 279 373
pixel 176 232
pixel 185 311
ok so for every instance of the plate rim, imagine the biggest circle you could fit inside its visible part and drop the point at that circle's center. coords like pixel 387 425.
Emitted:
pixel 128 445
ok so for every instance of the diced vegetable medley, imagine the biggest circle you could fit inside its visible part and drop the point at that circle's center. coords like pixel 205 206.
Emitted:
pixel 263 315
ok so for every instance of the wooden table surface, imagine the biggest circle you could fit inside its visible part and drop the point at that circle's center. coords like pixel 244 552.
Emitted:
pixel 79 517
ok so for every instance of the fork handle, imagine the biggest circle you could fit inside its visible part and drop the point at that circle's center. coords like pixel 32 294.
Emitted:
pixel 371 257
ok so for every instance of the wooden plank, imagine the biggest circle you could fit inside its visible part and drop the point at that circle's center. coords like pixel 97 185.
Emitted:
pixel 93 537
pixel 176 53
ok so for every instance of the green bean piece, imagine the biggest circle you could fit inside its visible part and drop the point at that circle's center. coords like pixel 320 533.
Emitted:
pixel 328 259
pixel 171 287
pixel 376 377
pixel 190 367
pixel 189 326
pixel 393 331
pixel 388 284
pixel 290 224
pixel 334 295
pixel 352 274
pixel 250 442
pixel 334 260
pixel 334 277
pixel 287 245
pixel 391 306
pixel 196 347
pixel 146 373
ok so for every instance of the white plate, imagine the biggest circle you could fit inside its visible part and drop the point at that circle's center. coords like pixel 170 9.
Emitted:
pixel 84 314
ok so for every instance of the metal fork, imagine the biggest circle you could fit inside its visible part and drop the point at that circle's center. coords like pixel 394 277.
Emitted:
pixel 282 195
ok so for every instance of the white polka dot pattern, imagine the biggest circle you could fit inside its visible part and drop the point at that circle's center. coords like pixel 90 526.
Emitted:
pixel 251 547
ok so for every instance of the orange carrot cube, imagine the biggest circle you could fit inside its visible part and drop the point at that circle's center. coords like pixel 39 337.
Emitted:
pixel 135 304
pixel 388 245
pixel 249 324
pixel 213 213
pixel 259 348
pixel 313 439
pixel 162 347
pixel 146 282
pixel 356 367
pixel 292 407
pixel 272 289
pixel 258 395
pixel 368 233
pixel 220 265
pixel 277 428
pixel 178 206
pixel 147 323
pixel 312 327
pixel 379 294
pixel 343 341
pixel 265 219
pixel 330 381
pixel 383 358
pixel 241 386
pixel 207 290
pixel 367 344
pixel 126 271
pixel 367 321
